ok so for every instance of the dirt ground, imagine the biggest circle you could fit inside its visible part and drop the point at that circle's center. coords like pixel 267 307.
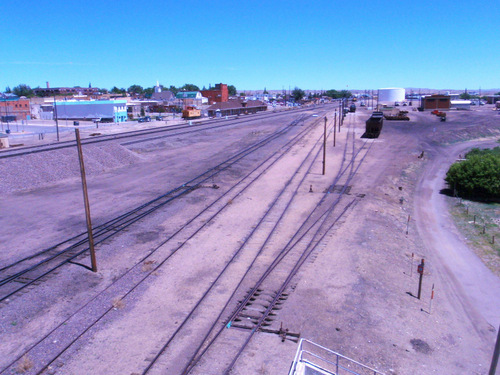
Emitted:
pixel 355 296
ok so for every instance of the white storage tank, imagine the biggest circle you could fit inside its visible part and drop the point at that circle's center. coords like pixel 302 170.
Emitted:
pixel 391 95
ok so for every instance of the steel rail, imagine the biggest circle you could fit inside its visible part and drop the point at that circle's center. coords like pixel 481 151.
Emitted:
pixel 137 133
pixel 111 227
pixel 193 361
pixel 304 256
pixel 213 283
pixel 279 153
pixel 238 251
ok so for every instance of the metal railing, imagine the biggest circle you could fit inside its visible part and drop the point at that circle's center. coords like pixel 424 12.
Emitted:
pixel 314 359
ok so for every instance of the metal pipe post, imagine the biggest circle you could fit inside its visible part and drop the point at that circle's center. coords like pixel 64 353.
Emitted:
pixel 335 129
pixel 55 116
pixel 86 202
pixel 421 272
pixel 494 360
pixel 324 147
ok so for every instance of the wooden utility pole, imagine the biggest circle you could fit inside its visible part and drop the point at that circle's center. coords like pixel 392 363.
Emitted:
pixel 324 147
pixel 335 128
pixel 86 202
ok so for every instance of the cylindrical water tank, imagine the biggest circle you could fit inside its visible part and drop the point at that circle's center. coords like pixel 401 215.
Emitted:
pixel 391 95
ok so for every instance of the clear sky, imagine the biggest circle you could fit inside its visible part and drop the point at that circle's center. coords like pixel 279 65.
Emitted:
pixel 251 44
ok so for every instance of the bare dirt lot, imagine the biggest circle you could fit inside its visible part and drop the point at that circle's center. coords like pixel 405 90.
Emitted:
pixel 355 294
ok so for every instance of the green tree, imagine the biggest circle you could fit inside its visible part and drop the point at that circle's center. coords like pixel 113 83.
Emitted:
pixel 265 91
pixel 189 87
pixel 135 89
pixel 478 176
pixel 148 92
pixel 334 94
pixel 23 90
pixel 231 90
pixel 104 91
pixel 8 90
pixel 173 89
pixel 345 94
pixel 298 94
pixel 116 90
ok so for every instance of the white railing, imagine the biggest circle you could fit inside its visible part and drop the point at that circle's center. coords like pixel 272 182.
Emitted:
pixel 314 359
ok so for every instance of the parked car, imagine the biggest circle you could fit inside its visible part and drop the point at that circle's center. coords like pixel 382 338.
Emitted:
pixel 145 119
pixel 159 118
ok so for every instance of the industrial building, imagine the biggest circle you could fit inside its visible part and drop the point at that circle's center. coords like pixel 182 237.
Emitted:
pixel 460 104
pixel 13 108
pixel 218 94
pixel 236 107
pixel 492 99
pixel 100 110
pixel 436 101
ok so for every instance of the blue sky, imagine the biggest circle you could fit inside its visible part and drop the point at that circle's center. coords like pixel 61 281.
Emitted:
pixel 273 44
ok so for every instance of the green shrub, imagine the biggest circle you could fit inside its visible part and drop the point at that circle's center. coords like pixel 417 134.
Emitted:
pixel 477 177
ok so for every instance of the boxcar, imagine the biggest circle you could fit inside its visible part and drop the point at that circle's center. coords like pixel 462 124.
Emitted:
pixel 374 125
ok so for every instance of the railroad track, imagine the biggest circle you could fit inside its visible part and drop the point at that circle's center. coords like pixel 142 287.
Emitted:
pixel 34 268
pixel 198 222
pixel 255 309
pixel 148 134
pixel 268 292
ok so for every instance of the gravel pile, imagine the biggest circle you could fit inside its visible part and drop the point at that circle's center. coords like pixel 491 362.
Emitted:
pixel 45 168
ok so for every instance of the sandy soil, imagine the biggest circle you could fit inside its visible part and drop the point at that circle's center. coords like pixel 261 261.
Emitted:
pixel 355 295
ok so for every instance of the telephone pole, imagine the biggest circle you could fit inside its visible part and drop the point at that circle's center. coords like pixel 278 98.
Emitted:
pixel 86 202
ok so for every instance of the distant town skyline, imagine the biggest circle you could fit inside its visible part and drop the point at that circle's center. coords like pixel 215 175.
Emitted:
pixel 318 45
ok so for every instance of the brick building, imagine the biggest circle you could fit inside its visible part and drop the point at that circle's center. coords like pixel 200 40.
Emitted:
pixel 236 107
pixel 218 94
pixel 13 108
pixel 436 101
pixel 52 91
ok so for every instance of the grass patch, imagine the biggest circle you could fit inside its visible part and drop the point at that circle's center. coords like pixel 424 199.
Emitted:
pixel 118 303
pixel 483 233
pixel 25 364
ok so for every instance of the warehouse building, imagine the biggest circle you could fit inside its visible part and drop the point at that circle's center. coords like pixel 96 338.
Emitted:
pixel 236 107
pixel 435 101
pixel 460 104
pixel 13 108
pixel 99 110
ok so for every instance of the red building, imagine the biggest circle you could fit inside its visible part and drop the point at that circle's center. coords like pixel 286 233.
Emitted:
pixel 13 108
pixel 436 101
pixel 218 94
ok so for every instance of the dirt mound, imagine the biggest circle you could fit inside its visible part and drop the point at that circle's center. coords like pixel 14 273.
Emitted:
pixel 45 168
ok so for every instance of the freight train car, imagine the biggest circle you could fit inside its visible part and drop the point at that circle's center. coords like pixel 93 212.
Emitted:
pixel 374 125
pixel 191 113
